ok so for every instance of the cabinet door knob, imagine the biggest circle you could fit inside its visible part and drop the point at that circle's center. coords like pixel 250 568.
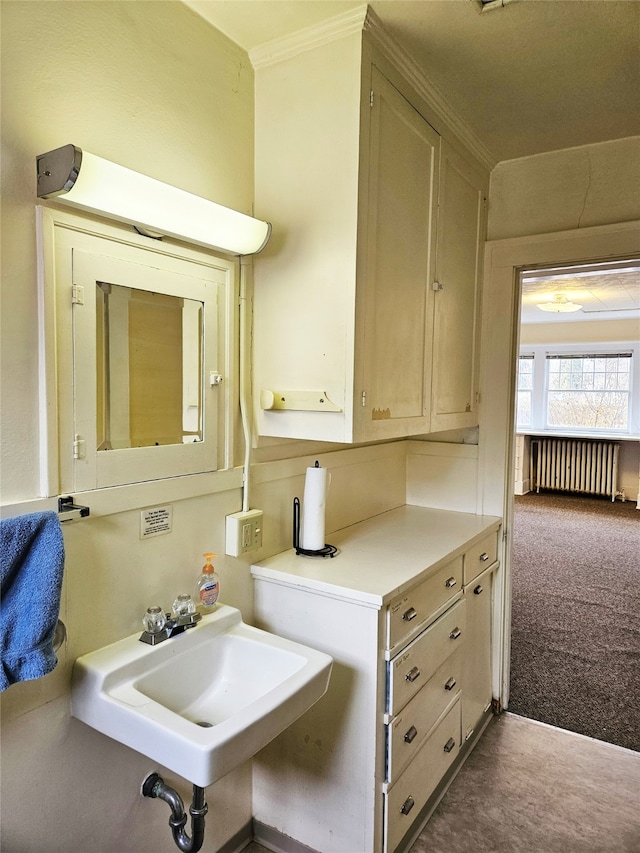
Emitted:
pixel 455 633
pixel 408 804
pixel 409 614
pixel 410 734
pixel 484 557
pixel 450 582
pixel 450 684
pixel 412 674
pixel 449 745
pixel 478 590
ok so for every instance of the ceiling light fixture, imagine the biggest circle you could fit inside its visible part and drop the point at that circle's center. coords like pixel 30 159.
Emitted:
pixel 559 305
pixel 90 183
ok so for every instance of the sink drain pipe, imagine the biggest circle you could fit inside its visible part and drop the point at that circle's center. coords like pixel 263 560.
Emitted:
pixel 154 786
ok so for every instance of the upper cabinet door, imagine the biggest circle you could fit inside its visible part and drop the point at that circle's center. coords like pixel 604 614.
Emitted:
pixel 461 228
pixel 393 398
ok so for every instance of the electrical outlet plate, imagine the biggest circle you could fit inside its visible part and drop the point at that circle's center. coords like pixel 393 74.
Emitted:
pixel 243 532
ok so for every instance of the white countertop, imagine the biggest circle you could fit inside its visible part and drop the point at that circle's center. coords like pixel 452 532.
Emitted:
pixel 382 556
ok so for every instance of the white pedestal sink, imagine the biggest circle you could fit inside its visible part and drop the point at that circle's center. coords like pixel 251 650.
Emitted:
pixel 203 702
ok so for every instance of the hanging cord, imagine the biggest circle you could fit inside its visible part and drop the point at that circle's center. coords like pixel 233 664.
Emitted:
pixel 244 361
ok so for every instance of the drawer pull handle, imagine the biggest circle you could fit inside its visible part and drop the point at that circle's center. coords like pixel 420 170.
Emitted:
pixel 484 557
pixel 408 804
pixel 410 734
pixel 478 590
pixel 412 674
pixel 449 745
pixel 450 582
pixel 450 684
pixel 455 633
pixel 409 615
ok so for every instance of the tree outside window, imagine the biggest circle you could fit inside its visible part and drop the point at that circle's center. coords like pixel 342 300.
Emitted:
pixel 588 391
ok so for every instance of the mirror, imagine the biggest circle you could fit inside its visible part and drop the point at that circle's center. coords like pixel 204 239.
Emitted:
pixel 149 368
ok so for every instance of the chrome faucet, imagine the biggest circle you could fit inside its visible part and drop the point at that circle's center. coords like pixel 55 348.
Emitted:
pixel 160 626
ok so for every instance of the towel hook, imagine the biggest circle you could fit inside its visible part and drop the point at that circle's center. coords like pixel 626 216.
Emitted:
pixel 68 510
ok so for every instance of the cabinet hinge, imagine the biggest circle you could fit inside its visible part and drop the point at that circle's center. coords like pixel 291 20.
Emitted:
pixel 77 294
pixel 371 98
pixel 478 397
pixel 79 447
pixel 364 398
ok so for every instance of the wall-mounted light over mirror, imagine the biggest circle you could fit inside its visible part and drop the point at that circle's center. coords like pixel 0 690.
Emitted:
pixel 90 183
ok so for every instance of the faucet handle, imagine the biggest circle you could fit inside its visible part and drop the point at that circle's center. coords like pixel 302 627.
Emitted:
pixel 184 605
pixel 154 619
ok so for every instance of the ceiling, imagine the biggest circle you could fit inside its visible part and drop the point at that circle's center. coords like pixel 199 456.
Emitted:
pixel 607 292
pixel 529 77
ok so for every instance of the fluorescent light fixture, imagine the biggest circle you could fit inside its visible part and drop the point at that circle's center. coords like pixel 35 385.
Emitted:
pixel 90 183
pixel 559 305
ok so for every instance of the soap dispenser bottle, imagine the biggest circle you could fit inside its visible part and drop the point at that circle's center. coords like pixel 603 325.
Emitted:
pixel 208 584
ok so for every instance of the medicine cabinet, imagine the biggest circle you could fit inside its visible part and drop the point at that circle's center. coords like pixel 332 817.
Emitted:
pixel 135 362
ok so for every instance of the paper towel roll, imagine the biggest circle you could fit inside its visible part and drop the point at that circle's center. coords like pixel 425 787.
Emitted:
pixel 316 486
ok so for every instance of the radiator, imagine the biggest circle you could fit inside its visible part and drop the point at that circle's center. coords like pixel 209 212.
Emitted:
pixel 575 465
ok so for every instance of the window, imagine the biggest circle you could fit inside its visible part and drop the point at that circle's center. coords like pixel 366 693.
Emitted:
pixel 589 391
pixel 525 390
pixel 571 389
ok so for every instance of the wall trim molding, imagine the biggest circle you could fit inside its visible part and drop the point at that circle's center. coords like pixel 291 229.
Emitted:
pixel 277 50
pixel 426 89
pixel 364 20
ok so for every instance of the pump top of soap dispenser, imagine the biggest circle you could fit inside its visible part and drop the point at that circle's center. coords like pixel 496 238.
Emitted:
pixel 208 568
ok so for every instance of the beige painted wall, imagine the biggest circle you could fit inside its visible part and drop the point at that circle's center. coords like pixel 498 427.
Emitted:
pixel 114 78
pixel 562 190
pixel 593 331
pixel 111 77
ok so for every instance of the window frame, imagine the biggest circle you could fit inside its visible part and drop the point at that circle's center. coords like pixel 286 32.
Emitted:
pixel 544 353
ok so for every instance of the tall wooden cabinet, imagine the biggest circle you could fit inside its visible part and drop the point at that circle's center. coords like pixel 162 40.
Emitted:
pixel 366 301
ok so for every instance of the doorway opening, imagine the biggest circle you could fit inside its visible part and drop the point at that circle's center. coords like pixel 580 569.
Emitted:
pixel 575 569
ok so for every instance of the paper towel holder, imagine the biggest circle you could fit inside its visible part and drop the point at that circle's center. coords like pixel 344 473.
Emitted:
pixel 327 551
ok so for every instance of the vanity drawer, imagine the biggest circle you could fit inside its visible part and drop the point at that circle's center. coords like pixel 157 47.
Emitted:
pixel 404 800
pixel 407 732
pixel 409 671
pixel 406 612
pixel 480 557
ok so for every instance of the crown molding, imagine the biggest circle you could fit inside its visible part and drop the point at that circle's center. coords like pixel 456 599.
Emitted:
pixel 364 19
pixel 426 89
pixel 279 49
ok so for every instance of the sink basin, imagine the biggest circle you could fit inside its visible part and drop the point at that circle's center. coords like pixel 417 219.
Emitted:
pixel 203 702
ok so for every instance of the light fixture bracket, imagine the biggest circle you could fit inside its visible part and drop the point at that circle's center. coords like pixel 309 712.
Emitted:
pixel 58 170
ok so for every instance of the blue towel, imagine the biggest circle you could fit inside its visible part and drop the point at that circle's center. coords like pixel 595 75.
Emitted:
pixel 31 564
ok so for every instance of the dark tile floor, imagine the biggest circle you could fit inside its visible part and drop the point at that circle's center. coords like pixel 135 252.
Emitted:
pixel 531 788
